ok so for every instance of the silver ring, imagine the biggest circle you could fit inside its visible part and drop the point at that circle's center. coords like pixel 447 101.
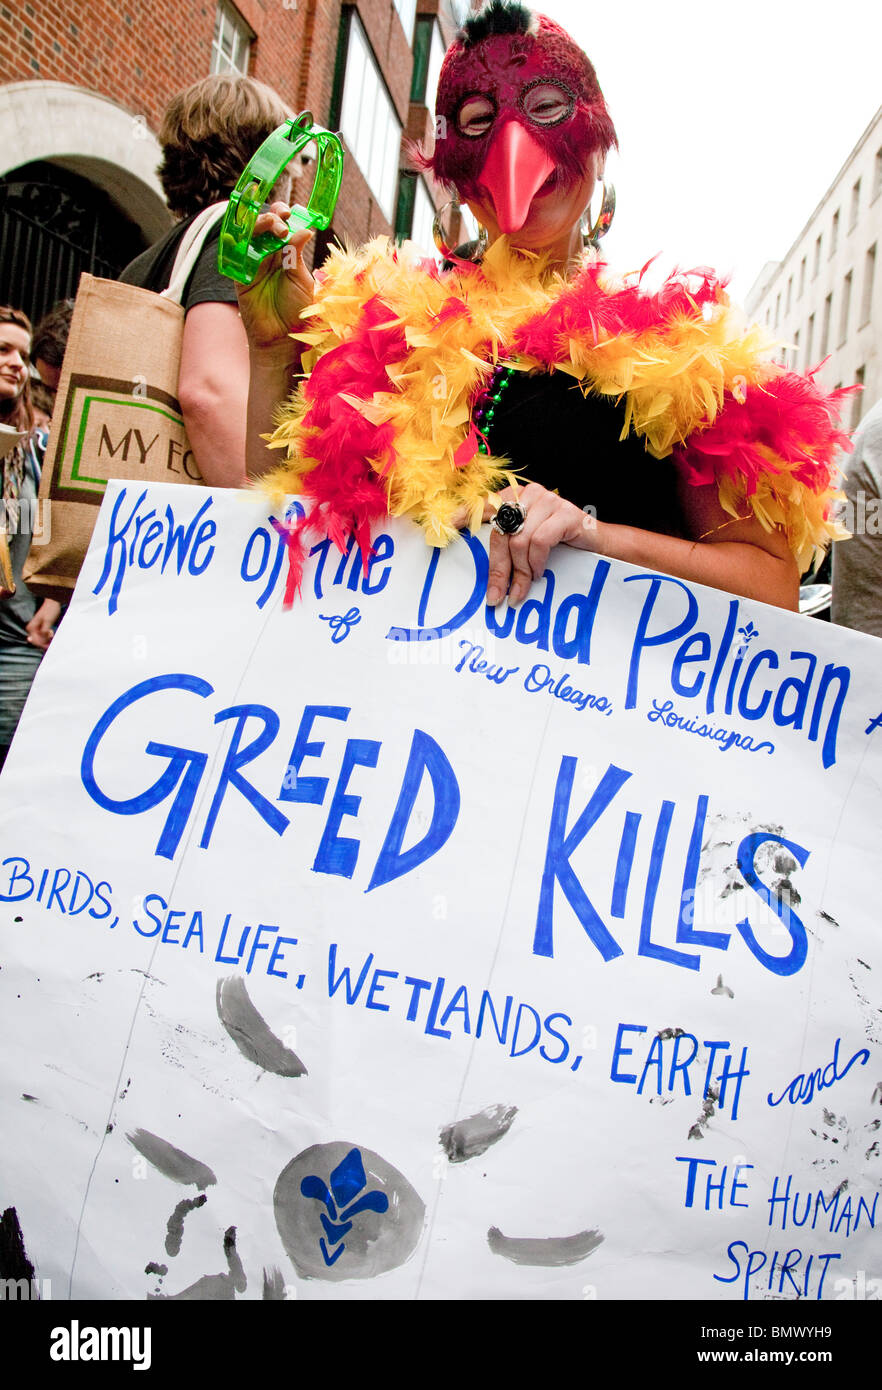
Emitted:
pixel 509 519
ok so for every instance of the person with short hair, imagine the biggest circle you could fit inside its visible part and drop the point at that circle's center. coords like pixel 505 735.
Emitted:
pixel 208 134
pixel 26 624
pixel 50 343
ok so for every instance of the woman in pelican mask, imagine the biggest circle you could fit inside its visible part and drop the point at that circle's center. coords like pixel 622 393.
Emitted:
pixel 527 384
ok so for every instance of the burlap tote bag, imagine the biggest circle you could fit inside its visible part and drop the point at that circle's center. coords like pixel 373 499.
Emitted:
pixel 116 413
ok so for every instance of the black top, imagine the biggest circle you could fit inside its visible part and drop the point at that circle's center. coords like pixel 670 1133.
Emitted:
pixel 152 269
pixel 570 443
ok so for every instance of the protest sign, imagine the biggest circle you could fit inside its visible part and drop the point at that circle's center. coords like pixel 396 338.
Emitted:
pixel 394 947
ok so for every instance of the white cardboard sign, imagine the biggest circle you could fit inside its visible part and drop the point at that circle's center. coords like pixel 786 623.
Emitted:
pixel 390 947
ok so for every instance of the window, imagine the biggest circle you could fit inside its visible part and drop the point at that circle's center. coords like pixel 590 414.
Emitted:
pixel 844 308
pixel 368 120
pixel 796 350
pixel 877 174
pixel 855 205
pixel 406 12
pixel 789 295
pixel 817 265
pixel 404 207
pixel 834 234
pixel 231 45
pixel 809 339
pixel 428 55
pixel 857 400
pixel 801 290
pixel 869 279
pixel 825 326
pixel 423 217
pixel 436 58
pixel 777 310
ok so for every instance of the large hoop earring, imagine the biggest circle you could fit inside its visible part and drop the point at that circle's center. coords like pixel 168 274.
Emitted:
pixel 475 249
pixel 591 235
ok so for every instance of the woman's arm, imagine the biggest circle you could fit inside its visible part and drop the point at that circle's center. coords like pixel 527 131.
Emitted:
pixel 213 391
pixel 737 556
pixel 271 380
pixel 270 307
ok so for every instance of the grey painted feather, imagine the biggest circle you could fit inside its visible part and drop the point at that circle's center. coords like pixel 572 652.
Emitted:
pixel 251 1033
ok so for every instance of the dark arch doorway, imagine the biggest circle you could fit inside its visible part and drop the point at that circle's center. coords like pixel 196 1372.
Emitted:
pixel 55 224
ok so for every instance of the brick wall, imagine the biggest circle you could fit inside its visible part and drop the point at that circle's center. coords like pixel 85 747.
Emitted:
pixel 140 52
pixel 316 72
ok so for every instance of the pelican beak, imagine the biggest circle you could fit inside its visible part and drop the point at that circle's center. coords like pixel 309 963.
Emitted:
pixel 515 169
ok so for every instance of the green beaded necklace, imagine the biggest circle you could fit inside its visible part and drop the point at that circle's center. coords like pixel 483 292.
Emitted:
pixel 487 401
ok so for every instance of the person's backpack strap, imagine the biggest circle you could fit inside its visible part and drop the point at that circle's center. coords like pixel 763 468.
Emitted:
pixel 190 250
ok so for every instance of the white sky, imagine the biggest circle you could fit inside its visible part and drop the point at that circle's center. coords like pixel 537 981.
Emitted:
pixel 733 119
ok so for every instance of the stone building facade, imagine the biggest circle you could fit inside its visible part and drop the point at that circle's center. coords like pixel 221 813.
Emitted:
pixel 824 299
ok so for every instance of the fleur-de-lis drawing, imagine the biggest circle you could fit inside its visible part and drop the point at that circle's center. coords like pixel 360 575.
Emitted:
pixel 747 633
pixel 347 1180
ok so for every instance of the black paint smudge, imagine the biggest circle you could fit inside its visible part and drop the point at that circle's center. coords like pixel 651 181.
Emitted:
pixel 171 1162
pixel 785 863
pixel 549 1252
pixel 214 1287
pixel 708 1108
pixel 825 917
pixel 154 1268
pixel 175 1228
pixel 784 889
pixel 473 1136
pixel 14 1262
pixel 25 1096
pixel 251 1033
pixel 273 1285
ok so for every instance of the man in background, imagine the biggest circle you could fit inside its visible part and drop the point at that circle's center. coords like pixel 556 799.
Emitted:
pixel 857 563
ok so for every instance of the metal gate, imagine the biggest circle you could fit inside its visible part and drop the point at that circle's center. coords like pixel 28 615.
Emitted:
pixel 53 226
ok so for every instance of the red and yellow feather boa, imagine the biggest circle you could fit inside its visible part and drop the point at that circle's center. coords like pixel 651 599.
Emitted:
pixel 381 425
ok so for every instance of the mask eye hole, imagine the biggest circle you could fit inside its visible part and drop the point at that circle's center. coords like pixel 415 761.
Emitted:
pixel 547 103
pixel 475 115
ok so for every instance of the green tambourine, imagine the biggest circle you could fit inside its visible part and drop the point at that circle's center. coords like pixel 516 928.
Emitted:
pixel 239 253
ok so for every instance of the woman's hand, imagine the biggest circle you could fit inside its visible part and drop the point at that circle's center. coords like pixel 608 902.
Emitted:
pixel 41 628
pixel 515 561
pixel 271 305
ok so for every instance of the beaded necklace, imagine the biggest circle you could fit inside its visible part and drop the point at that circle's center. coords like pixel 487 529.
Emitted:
pixel 486 402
